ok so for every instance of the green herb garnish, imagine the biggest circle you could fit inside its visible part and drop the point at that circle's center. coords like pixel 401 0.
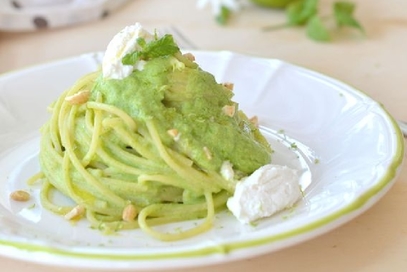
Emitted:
pixel 300 12
pixel 316 29
pixel 164 46
pixel 293 146
pixel 223 17
pixel 306 13
pixel 343 12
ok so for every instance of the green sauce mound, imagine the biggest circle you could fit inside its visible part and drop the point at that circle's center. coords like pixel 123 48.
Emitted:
pixel 179 96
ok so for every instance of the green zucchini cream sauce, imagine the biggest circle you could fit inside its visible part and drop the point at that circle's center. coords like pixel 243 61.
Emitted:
pixel 176 93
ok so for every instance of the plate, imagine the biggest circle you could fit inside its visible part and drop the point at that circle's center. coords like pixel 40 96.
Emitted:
pixel 32 15
pixel 347 147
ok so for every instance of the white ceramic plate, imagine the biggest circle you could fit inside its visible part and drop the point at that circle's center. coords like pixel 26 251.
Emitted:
pixel 32 15
pixel 347 146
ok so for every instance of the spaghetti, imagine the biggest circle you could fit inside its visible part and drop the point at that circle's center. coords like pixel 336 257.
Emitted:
pixel 153 142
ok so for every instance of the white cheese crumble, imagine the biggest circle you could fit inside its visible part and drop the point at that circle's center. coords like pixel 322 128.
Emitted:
pixel 123 43
pixel 270 189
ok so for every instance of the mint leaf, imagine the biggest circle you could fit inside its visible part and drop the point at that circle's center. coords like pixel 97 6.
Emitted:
pixel 316 30
pixel 141 42
pixel 223 17
pixel 131 58
pixel 343 12
pixel 165 46
pixel 299 12
pixel 306 13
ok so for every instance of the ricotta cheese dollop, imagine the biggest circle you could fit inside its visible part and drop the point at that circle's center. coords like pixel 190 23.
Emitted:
pixel 270 189
pixel 123 43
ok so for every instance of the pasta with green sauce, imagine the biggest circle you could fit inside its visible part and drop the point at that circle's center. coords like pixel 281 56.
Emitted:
pixel 148 149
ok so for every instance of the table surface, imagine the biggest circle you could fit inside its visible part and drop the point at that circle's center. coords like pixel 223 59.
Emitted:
pixel 376 64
